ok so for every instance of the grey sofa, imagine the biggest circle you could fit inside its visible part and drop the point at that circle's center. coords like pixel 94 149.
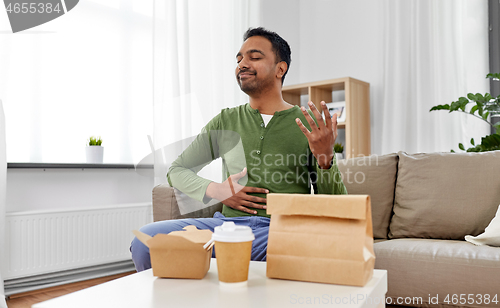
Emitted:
pixel 422 207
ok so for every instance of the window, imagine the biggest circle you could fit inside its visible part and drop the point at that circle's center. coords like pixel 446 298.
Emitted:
pixel 86 73
pixel 494 38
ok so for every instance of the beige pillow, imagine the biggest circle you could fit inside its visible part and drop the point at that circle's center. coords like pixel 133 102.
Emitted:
pixel 374 176
pixel 445 195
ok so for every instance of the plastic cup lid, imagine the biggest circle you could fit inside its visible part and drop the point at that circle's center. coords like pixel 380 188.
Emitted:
pixel 230 232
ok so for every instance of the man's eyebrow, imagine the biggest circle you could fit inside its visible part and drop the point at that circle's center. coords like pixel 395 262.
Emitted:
pixel 256 50
pixel 250 51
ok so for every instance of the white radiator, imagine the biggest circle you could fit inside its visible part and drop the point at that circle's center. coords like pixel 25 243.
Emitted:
pixel 46 242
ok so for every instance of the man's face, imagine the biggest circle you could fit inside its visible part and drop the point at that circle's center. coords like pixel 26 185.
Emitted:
pixel 256 69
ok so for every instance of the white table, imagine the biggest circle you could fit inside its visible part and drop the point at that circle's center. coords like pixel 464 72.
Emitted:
pixel 144 290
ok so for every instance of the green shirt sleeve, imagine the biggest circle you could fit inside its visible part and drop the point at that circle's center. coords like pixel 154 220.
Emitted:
pixel 183 172
pixel 329 181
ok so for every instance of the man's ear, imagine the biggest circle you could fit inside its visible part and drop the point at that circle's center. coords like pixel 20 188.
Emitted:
pixel 282 67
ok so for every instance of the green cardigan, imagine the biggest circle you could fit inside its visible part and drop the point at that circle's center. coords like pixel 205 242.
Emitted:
pixel 277 156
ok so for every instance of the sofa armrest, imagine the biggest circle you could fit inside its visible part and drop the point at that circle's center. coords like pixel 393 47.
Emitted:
pixel 166 207
pixel 163 202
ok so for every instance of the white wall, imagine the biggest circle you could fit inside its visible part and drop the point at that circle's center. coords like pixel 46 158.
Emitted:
pixel 284 18
pixel 71 189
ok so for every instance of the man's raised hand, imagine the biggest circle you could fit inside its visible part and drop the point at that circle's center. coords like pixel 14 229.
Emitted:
pixel 235 195
pixel 322 136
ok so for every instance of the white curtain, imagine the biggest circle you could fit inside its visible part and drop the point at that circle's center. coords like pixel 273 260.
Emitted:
pixel 3 183
pixel 435 52
pixel 86 73
pixel 195 46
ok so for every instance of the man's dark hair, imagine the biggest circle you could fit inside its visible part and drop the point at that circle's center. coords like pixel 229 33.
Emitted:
pixel 280 46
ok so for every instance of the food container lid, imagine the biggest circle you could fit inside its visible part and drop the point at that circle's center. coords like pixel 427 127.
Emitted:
pixel 230 232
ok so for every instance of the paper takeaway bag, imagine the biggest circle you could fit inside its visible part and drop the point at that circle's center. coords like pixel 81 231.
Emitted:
pixel 179 254
pixel 320 238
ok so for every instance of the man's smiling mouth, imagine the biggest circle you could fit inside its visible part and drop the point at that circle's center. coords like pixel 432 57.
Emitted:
pixel 245 75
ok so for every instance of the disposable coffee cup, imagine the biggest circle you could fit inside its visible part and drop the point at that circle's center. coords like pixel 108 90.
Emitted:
pixel 233 249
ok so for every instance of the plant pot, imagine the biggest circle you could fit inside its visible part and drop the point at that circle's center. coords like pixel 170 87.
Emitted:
pixel 339 156
pixel 94 154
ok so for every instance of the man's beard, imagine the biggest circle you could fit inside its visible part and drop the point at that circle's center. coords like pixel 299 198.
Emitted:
pixel 254 86
pixel 250 88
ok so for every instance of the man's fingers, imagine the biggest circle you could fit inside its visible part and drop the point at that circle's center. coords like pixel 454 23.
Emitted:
pixel 254 205
pixel 256 199
pixel 334 123
pixel 302 127
pixel 244 209
pixel 255 190
pixel 309 119
pixel 317 114
pixel 328 117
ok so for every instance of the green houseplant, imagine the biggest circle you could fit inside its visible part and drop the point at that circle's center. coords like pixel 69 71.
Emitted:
pixel 338 148
pixel 95 141
pixel 94 151
pixel 483 106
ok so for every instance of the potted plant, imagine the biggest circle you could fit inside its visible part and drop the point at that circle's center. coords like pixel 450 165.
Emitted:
pixel 485 105
pixel 94 151
pixel 338 148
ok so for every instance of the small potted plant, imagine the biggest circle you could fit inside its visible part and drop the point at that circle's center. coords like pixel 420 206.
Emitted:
pixel 338 148
pixel 94 151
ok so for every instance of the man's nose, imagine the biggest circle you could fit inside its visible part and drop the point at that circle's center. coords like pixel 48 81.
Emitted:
pixel 243 64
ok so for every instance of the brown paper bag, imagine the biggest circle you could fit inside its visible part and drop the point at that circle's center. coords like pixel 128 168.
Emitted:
pixel 320 238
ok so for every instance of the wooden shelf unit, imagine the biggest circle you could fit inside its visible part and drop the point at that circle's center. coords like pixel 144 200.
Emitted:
pixel 357 100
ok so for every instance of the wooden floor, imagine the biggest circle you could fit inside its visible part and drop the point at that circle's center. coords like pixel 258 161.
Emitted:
pixel 25 300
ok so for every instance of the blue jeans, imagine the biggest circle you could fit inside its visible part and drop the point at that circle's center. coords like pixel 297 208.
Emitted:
pixel 259 225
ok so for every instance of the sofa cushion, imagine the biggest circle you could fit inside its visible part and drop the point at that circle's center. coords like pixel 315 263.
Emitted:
pixel 445 195
pixel 374 176
pixel 428 268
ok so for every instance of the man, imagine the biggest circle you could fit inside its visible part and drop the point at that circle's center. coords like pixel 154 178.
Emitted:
pixel 284 149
